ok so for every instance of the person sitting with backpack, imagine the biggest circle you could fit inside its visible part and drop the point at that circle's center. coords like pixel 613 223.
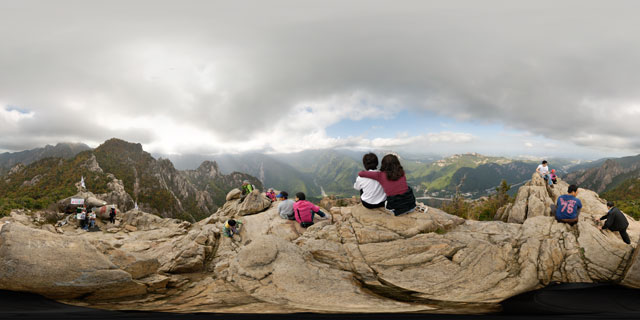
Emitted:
pixel 616 221
pixel 304 210
pixel 400 198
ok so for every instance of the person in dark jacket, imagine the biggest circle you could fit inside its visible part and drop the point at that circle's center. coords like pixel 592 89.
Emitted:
pixel 112 215
pixel 616 221
pixel 400 198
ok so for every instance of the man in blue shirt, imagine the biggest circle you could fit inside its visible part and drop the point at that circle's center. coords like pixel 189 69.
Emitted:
pixel 568 206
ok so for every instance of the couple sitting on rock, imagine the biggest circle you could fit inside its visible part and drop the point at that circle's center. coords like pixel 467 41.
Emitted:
pixel 301 210
pixel 567 210
pixel 385 188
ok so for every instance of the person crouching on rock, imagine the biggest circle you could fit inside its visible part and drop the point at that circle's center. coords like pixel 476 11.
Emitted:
pixel 568 206
pixel 400 198
pixel 371 193
pixel 285 207
pixel 231 227
pixel 304 210
pixel 616 221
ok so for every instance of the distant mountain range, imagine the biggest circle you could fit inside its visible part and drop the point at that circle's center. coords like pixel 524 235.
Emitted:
pixel 616 180
pixel 606 174
pixel 333 172
pixel 154 183
pixel 60 150
pixel 197 184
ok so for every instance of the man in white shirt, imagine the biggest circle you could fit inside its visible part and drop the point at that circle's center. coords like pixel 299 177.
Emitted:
pixel 371 193
pixel 543 170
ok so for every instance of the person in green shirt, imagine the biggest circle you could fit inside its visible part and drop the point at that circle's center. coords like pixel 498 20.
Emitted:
pixel 246 188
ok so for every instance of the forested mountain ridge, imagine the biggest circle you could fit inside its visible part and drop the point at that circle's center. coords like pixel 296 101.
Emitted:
pixel 155 184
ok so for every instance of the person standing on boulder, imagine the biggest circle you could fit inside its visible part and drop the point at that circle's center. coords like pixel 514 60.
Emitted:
pixel 285 207
pixel 112 215
pixel 400 198
pixel 616 221
pixel 371 193
pixel 92 220
pixel 81 217
pixel 86 220
pixel 568 206
pixel 304 210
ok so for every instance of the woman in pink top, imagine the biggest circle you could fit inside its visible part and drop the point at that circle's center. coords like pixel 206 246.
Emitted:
pixel 400 198
pixel 304 210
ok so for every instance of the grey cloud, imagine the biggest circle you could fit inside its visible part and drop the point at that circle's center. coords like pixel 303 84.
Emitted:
pixel 547 67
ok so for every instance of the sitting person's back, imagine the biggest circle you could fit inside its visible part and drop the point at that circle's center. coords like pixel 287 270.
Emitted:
pixel 372 194
pixel 568 206
pixel 400 198
pixel 304 210
pixel 285 207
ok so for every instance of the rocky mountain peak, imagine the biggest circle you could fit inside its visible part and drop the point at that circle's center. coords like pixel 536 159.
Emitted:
pixel 115 144
pixel 209 168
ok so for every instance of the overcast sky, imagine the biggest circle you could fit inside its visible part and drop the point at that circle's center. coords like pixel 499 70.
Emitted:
pixel 497 77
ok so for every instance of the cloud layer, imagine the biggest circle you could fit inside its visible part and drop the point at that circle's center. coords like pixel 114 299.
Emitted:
pixel 206 76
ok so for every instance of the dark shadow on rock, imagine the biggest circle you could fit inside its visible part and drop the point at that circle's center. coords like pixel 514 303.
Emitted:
pixel 576 299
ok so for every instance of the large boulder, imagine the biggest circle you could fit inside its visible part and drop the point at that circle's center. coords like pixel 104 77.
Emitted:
pixel 253 203
pixel 236 205
pixel 146 221
pixel 234 194
pixel 278 271
pixel 117 194
pixel 90 201
pixel 533 199
pixel 59 266
pixel 103 212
